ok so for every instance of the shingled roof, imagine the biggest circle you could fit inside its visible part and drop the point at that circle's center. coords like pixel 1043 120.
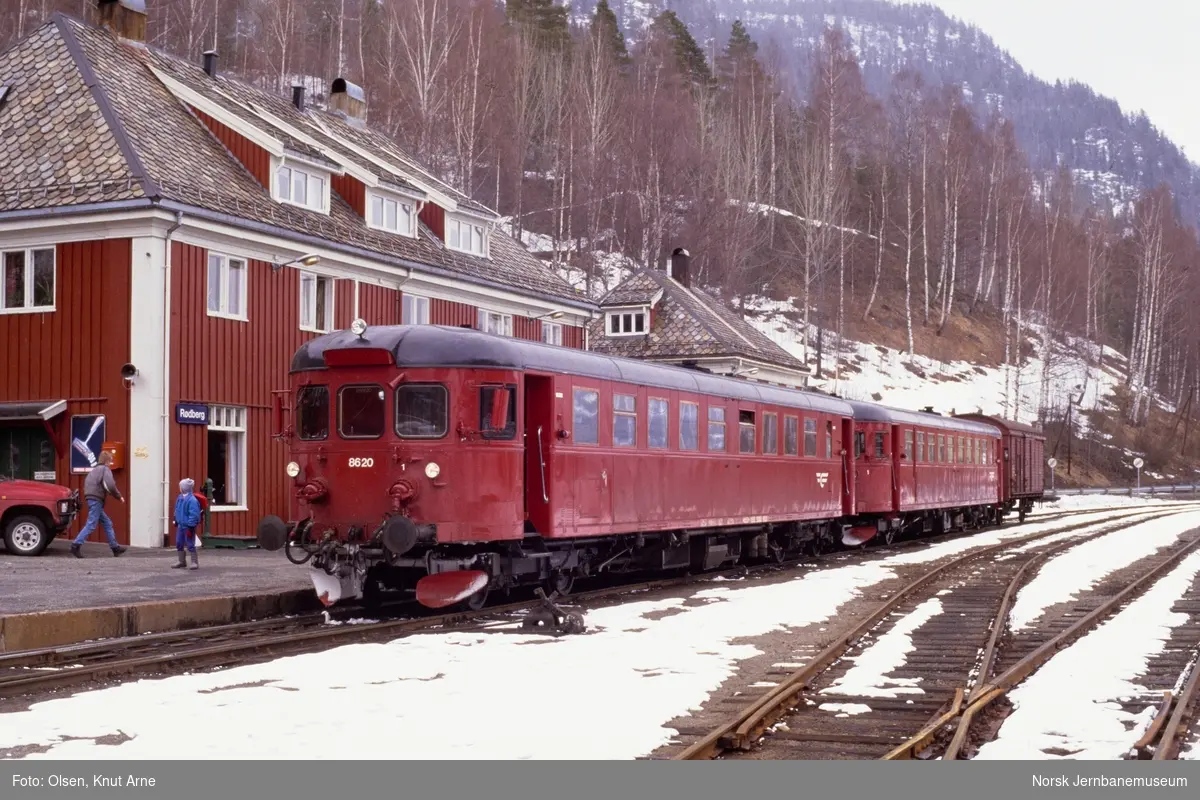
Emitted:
pixel 90 120
pixel 687 323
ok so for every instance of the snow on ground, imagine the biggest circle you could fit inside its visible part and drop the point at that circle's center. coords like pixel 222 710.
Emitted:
pixel 1069 709
pixel 1074 502
pixel 869 675
pixel 453 695
pixel 961 386
pixel 1080 568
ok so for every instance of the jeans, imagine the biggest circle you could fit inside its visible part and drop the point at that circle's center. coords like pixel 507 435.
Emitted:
pixel 96 516
pixel 185 535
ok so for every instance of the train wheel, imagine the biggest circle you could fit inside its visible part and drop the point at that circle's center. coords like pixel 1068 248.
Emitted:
pixel 561 583
pixel 476 601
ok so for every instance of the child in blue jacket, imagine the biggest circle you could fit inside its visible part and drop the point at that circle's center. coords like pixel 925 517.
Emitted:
pixel 187 517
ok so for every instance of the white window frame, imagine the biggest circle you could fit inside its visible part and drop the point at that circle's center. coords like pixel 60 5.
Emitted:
pixel 319 202
pixel 400 203
pixel 504 326
pixel 315 325
pixel 552 333
pixel 223 299
pixel 454 228
pixel 410 303
pixel 632 314
pixel 28 307
pixel 231 420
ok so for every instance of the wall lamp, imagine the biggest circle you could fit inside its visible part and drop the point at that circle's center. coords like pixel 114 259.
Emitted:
pixel 551 315
pixel 310 260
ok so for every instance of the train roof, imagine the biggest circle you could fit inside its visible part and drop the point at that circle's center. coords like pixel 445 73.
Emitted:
pixel 442 346
pixel 873 412
pixel 1007 425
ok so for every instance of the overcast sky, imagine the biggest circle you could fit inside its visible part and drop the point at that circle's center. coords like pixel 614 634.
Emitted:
pixel 1145 54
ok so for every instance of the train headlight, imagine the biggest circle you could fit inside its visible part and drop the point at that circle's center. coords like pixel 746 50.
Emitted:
pixel 293 469
pixel 358 327
pixel 432 470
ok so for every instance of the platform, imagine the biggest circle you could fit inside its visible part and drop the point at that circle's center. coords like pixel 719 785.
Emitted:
pixel 56 599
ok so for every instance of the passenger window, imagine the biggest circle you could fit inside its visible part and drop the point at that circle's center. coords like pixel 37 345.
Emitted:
pixel 716 429
pixel 361 412
pixel 962 442
pixel 920 446
pixel 746 431
pixel 908 446
pixel 791 436
pixel 942 448
pixel 624 420
pixel 659 410
pixel 587 416
pixel 689 426
pixel 421 411
pixel 771 434
pixel 810 437
pixel 312 413
pixel 879 445
pixel 828 439
pixel 492 401
pixel 860 443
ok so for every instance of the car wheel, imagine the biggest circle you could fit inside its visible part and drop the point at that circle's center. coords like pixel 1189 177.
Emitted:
pixel 26 536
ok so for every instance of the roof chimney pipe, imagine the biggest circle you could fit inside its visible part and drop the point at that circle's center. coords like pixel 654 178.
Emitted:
pixel 298 97
pixel 210 63
pixel 125 18
pixel 679 266
pixel 349 100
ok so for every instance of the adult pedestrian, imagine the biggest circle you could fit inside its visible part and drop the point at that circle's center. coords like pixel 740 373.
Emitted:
pixel 98 485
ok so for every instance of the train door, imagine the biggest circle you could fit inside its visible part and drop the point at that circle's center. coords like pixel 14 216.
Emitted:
pixel 848 481
pixel 539 435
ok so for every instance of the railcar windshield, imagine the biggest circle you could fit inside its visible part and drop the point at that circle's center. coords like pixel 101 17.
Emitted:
pixel 361 412
pixel 421 411
pixel 312 413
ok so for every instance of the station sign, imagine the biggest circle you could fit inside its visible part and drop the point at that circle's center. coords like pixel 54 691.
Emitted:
pixel 191 414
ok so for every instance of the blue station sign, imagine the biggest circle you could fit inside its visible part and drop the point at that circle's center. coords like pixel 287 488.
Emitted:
pixel 191 414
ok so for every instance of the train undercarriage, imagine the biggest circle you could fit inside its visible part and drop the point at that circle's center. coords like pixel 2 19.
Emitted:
pixel 408 562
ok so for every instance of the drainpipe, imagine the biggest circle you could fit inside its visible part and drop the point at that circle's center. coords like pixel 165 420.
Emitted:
pixel 166 400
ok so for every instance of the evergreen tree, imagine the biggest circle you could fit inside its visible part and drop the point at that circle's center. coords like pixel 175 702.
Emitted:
pixel 545 18
pixel 739 56
pixel 687 52
pixel 605 28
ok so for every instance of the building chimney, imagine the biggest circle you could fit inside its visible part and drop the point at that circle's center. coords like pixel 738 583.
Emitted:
pixel 349 100
pixel 298 97
pixel 125 18
pixel 679 266
pixel 210 63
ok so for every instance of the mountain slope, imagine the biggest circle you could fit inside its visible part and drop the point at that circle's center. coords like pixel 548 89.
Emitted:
pixel 1112 155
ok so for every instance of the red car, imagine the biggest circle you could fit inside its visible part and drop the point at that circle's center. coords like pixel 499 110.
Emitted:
pixel 33 513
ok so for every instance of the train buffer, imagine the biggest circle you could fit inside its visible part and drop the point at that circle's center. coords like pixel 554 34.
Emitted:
pixel 548 617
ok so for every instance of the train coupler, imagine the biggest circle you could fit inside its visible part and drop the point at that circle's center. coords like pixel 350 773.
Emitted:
pixel 549 617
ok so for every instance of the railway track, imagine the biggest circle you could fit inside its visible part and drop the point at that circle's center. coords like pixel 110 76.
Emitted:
pixel 950 620
pixel 28 672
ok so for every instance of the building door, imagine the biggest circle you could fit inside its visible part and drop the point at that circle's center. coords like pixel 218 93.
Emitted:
pixel 539 436
pixel 26 453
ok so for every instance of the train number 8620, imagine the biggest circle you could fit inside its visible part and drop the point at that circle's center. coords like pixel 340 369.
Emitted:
pixel 361 462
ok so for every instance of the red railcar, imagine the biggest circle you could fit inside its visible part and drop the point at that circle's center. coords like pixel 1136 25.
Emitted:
pixel 450 463
pixel 1023 476
pixel 921 472
pixel 464 460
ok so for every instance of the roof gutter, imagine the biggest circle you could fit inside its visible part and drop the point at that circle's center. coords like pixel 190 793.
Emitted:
pixel 77 210
pixel 405 264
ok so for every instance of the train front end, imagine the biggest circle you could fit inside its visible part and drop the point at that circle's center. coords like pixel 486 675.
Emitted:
pixel 390 487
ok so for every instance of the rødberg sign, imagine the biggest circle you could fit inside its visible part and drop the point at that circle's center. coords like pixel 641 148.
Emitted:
pixel 191 414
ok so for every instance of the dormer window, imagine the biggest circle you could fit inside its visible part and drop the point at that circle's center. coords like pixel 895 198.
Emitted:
pixel 627 323
pixel 467 237
pixel 392 215
pixel 302 186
